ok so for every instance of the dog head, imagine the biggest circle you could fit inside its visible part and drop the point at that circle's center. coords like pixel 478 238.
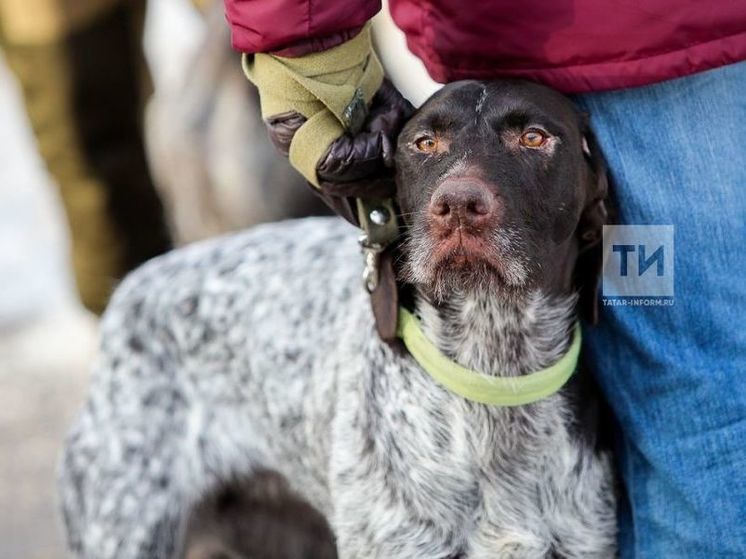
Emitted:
pixel 501 186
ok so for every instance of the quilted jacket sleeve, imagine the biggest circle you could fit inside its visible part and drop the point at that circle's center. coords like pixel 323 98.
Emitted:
pixel 295 26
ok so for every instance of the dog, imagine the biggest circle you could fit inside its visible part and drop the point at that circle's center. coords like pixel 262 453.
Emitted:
pixel 257 353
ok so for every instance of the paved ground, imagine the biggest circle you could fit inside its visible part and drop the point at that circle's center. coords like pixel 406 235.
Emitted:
pixel 42 382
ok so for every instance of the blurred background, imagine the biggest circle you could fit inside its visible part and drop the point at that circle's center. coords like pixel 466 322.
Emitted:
pixel 104 163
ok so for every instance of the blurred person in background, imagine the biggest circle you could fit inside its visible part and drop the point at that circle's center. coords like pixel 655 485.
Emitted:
pixel 664 83
pixel 84 81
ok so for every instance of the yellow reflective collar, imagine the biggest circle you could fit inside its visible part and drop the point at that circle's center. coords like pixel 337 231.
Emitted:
pixel 478 387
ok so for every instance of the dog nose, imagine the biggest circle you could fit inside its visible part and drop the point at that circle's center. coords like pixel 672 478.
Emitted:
pixel 462 202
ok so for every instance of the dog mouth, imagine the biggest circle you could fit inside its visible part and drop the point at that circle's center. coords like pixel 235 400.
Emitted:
pixel 465 260
pixel 461 251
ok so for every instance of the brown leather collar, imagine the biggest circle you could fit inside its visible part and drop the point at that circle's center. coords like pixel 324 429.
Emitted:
pixel 385 298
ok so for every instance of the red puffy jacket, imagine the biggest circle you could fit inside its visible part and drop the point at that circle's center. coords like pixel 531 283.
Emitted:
pixel 572 45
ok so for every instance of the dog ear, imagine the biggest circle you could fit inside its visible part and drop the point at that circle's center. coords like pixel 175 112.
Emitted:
pixel 589 263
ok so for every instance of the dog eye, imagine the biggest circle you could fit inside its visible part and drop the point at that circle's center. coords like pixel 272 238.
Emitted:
pixel 426 144
pixel 533 138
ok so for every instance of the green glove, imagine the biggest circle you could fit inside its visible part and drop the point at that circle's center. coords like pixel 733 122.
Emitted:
pixel 331 89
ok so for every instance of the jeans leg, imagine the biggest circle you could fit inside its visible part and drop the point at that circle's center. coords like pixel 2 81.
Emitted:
pixel 675 376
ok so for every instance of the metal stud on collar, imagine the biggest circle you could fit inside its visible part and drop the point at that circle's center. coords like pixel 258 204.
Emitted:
pixel 379 216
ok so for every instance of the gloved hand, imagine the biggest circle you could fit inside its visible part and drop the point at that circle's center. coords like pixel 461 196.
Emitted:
pixel 334 115
pixel 355 165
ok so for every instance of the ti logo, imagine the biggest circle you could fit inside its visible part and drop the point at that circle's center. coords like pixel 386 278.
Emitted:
pixel 638 262
pixel 643 262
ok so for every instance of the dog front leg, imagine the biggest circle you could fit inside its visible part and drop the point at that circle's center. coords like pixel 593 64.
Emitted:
pixel 374 519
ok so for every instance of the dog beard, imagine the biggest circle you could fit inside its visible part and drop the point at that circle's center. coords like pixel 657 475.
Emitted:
pixel 500 271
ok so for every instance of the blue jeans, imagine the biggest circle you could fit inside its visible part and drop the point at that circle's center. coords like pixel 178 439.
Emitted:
pixel 675 376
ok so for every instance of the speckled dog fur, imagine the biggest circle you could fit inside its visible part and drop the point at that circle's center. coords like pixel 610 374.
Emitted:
pixel 258 352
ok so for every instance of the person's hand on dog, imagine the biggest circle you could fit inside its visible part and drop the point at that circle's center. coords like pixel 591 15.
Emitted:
pixel 359 164
pixel 335 116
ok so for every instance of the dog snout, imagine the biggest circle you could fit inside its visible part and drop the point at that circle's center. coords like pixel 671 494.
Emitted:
pixel 463 203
